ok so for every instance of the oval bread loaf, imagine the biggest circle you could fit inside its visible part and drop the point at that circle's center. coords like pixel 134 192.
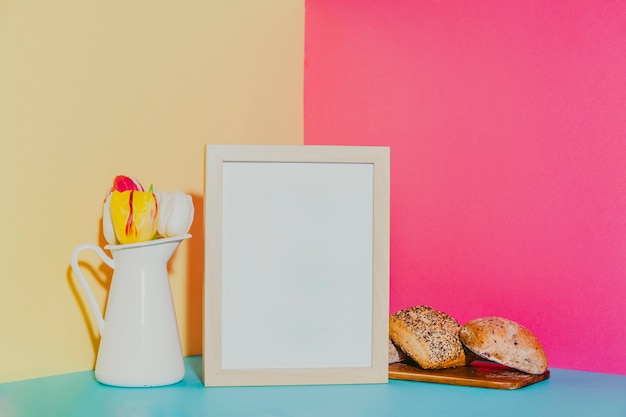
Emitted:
pixel 429 337
pixel 506 342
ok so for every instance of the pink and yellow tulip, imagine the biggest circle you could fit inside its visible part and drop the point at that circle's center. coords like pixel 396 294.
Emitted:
pixel 132 215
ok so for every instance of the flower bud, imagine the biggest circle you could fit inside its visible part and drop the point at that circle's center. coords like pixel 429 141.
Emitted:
pixel 107 222
pixel 124 183
pixel 176 213
pixel 133 216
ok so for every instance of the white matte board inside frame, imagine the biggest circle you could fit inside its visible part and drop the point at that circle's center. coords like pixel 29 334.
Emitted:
pixel 297 265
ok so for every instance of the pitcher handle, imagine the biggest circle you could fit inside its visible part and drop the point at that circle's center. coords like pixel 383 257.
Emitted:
pixel 83 282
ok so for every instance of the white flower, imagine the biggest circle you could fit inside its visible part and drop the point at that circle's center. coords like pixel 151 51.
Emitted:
pixel 175 213
pixel 107 223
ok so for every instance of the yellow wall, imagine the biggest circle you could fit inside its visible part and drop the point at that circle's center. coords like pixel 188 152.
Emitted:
pixel 92 89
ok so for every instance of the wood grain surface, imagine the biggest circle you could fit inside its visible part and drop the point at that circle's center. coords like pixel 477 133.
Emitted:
pixel 477 374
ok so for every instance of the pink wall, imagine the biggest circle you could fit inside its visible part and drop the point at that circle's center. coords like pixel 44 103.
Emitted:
pixel 507 127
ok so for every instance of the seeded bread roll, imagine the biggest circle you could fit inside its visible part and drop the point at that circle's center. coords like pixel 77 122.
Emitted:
pixel 429 337
pixel 506 342
pixel 395 354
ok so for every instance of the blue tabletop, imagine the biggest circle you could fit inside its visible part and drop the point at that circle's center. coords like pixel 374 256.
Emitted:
pixel 566 393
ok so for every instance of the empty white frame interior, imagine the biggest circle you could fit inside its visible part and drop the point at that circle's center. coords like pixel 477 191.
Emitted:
pixel 296 285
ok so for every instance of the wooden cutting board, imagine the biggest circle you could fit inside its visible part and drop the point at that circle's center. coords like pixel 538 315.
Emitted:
pixel 477 374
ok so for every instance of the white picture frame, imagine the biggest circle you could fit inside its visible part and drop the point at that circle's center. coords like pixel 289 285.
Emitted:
pixel 296 286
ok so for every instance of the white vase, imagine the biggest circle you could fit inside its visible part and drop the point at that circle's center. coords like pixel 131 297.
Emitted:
pixel 139 339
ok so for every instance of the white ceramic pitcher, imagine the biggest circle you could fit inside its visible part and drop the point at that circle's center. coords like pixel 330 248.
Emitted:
pixel 139 340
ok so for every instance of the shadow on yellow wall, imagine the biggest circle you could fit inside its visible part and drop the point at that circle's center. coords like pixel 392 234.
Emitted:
pixel 195 276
